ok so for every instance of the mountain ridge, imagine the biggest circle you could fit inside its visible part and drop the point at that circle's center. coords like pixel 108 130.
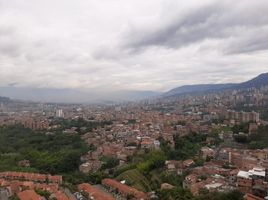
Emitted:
pixel 257 82
pixel 95 96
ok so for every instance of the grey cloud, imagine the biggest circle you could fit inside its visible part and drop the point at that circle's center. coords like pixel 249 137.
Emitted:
pixel 6 30
pixel 175 34
pixel 9 44
pixel 13 84
pixel 214 21
pixel 255 41
pixel 107 53
pixel 10 49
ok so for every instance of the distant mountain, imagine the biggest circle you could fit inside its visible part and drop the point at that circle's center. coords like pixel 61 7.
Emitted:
pixel 256 82
pixel 187 89
pixel 98 95
pixel 73 95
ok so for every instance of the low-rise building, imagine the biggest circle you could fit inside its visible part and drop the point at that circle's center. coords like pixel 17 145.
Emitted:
pixel 94 193
pixel 124 190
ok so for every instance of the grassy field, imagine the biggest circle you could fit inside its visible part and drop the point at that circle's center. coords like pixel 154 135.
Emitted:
pixel 135 179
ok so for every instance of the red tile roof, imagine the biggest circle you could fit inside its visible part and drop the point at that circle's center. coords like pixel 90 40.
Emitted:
pixel 124 189
pixel 60 196
pixel 29 195
pixel 55 179
pixel 47 187
pixel 252 197
pixel 94 192
pixel 31 177
pixel 15 187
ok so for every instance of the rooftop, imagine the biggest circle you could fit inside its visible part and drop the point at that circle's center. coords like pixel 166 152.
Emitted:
pixel 29 195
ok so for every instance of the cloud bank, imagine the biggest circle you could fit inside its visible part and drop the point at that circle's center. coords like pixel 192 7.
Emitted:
pixel 131 45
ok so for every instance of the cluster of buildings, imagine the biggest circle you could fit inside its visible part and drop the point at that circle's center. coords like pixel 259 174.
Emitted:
pixel 31 122
pixel 231 169
pixel 112 190
pixel 243 116
pixel 24 185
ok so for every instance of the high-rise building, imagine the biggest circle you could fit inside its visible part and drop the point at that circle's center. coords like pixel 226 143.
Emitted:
pixel 243 116
pixel 59 113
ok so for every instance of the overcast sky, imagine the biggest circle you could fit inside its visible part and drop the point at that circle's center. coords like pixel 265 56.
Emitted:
pixel 131 44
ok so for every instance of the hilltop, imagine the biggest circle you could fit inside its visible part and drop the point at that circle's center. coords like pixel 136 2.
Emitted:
pixel 257 82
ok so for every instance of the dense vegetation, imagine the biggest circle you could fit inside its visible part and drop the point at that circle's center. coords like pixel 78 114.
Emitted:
pixel 153 160
pixel 257 140
pixel 176 194
pixel 82 125
pixel 181 194
pixel 243 127
pixel 58 153
pixel 260 139
pixel 185 147
pixel 234 195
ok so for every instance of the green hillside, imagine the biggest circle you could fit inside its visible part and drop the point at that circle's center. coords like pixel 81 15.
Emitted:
pixel 134 178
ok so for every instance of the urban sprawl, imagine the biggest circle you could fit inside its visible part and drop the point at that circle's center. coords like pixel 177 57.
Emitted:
pixel 192 145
